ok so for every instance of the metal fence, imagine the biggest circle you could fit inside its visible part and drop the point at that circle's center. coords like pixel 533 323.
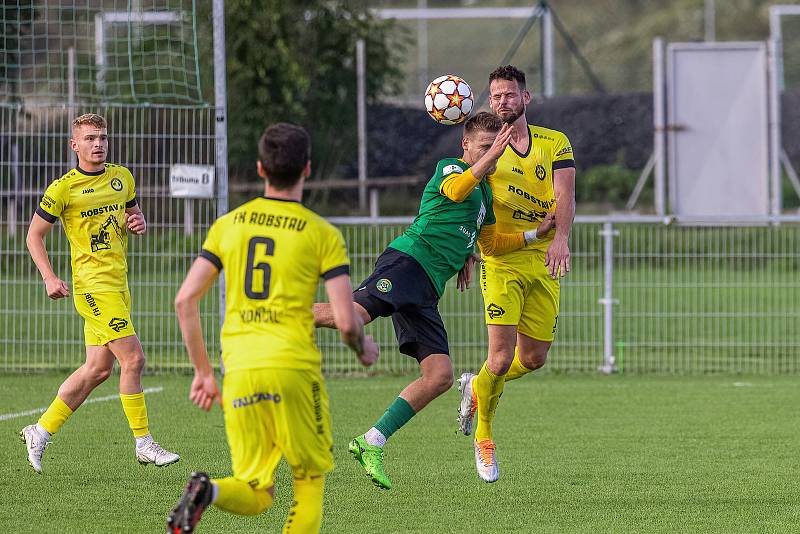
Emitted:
pixel 36 333
pixel 643 296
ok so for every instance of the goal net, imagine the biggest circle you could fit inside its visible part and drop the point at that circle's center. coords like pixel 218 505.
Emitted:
pixel 111 51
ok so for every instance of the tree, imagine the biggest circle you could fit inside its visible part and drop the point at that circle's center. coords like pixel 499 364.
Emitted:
pixel 295 61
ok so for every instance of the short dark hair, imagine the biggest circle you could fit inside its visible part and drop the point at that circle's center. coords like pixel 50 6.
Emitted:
pixel 483 121
pixel 510 73
pixel 284 151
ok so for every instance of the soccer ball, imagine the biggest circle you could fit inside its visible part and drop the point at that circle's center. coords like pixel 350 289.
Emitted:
pixel 448 99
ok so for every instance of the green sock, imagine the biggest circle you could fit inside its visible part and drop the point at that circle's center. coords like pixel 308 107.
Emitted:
pixel 396 415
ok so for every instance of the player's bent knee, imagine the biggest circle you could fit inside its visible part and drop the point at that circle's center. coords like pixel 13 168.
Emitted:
pixel 437 370
pixel 499 362
pixel 98 374
pixel 134 363
pixel 534 360
pixel 443 381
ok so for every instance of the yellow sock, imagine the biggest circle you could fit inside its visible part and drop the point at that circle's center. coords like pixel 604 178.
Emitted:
pixel 305 515
pixel 517 369
pixel 488 387
pixel 136 412
pixel 55 416
pixel 238 497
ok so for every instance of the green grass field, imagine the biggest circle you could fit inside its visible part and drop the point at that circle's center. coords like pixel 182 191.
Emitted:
pixel 577 454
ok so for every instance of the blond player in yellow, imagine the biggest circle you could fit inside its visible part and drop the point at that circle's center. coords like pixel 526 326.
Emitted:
pixel 96 202
pixel 273 252
pixel 535 176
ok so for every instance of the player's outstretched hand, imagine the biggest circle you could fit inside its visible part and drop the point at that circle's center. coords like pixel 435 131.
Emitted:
pixel 500 142
pixel 56 288
pixel 205 391
pixel 547 224
pixel 136 223
pixel 370 352
pixel 557 258
pixel 465 274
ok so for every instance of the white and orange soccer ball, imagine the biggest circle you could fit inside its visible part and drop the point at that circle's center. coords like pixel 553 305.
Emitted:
pixel 448 99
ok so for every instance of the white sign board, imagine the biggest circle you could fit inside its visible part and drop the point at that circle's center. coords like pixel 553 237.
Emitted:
pixel 717 112
pixel 191 181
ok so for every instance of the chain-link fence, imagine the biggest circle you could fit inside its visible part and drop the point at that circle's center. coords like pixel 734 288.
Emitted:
pixel 137 64
pixel 685 300
pixel 36 333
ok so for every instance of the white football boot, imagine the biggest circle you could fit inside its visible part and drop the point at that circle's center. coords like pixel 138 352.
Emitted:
pixel 153 453
pixel 468 406
pixel 35 444
pixel 485 461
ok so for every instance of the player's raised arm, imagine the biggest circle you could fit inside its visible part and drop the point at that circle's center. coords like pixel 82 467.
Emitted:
pixel 348 322
pixel 39 228
pixel 482 148
pixel 486 163
pixel 201 276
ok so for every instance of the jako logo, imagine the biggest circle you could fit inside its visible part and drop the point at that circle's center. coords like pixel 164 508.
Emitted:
pixel 516 170
pixel 90 190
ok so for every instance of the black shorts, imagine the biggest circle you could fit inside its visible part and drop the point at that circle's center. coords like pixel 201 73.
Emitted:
pixel 399 287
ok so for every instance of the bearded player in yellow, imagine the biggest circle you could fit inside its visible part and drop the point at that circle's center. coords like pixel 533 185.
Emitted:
pixel 535 176
pixel 96 202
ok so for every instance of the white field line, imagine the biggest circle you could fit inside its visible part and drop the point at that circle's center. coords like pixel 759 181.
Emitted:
pixel 8 416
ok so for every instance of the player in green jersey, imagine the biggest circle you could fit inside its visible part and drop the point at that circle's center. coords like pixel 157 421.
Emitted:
pixel 410 276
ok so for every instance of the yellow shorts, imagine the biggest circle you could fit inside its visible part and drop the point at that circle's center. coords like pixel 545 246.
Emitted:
pixel 271 413
pixel 518 290
pixel 106 316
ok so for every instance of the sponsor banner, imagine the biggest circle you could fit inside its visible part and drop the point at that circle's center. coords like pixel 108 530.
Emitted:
pixel 191 181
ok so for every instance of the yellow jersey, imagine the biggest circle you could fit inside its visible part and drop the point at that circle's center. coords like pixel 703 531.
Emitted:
pixel 92 207
pixel 522 184
pixel 273 253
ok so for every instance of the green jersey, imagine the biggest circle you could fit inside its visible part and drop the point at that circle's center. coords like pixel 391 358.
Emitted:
pixel 444 233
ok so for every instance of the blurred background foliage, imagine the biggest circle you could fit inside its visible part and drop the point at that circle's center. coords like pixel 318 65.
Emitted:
pixel 295 61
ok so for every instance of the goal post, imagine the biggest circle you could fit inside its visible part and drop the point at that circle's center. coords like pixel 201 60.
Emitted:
pixel 784 59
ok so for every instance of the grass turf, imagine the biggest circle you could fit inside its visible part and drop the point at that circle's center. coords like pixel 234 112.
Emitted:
pixel 577 454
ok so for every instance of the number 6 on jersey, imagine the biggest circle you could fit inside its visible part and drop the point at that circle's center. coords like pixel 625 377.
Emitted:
pixel 269 250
